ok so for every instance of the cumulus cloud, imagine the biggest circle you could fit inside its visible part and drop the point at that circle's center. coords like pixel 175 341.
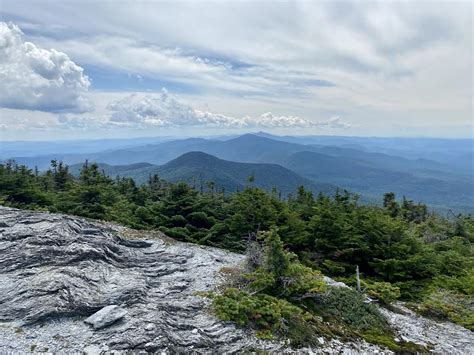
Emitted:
pixel 34 78
pixel 85 122
pixel 336 122
pixel 22 123
pixel 270 120
pixel 25 120
pixel 165 110
pixel 140 111
pixel 155 110
pixel 386 64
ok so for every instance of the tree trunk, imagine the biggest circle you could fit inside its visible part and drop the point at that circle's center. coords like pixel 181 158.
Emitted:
pixel 358 278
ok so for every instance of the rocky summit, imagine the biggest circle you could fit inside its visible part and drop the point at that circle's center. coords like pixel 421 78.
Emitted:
pixel 72 285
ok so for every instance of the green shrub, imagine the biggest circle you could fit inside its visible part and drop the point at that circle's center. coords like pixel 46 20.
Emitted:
pixel 382 291
pixel 448 305
pixel 385 292
pixel 460 284
pixel 387 340
pixel 281 274
pixel 349 307
pixel 268 315
pixel 333 268
pixel 270 301
pixel 178 233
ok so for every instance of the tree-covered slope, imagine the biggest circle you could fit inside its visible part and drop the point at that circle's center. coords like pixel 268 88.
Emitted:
pixel 402 250
pixel 359 176
pixel 350 165
pixel 195 166
pixel 199 169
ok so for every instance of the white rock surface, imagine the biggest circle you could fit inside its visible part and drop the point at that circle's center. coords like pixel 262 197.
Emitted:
pixel 106 316
pixel 445 337
pixel 56 271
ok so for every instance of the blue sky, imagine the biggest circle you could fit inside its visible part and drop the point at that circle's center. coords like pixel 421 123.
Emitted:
pixel 79 69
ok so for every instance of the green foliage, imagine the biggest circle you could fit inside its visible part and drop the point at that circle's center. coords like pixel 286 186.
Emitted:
pixel 269 316
pixel 287 299
pixel 280 272
pixel 349 307
pixel 387 340
pixel 463 285
pixel 278 290
pixel 383 291
pixel 265 313
pixel 449 305
pixel 248 212
pixel 269 303
pixel 401 250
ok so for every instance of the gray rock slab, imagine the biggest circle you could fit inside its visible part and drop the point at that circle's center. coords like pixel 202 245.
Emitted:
pixel 56 271
pixel 106 316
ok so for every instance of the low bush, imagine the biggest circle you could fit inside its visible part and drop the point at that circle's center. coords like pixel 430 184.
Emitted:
pixel 400 347
pixel 349 307
pixel 448 305
pixel 385 292
pixel 268 315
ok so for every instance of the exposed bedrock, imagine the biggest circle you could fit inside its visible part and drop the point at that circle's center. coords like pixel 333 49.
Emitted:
pixel 57 271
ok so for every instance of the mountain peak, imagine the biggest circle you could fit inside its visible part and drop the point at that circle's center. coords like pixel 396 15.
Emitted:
pixel 265 134
pixel 252 137
pixel 195 158
pixel 196 155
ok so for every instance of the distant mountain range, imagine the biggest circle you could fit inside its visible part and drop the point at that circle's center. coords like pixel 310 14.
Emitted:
pixel 359 176
pixel 198 168
pixel 369 166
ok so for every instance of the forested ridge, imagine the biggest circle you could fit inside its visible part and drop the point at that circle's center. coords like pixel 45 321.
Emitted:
pixel 198 168
pixel 441 178
pixel 403 250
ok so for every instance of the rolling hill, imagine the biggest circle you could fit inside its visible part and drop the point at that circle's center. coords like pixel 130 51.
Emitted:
pixel 351 164
pixel 356 175
pixel 198 168
pixel 247 148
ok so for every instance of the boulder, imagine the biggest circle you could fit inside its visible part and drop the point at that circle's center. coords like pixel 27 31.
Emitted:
pixel 106 316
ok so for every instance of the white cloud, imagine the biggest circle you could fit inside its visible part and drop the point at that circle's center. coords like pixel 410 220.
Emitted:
pixel 15 122
pixel 165 110
pixel 382 65
pixel 337 122
pixel 38 79
pixel 145 60
pixel 152 110
pixel 359 47
pixel 270 120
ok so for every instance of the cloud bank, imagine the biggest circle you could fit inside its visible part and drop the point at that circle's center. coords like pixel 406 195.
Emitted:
pixel 388 67
pixel 34 78
pixel 165 110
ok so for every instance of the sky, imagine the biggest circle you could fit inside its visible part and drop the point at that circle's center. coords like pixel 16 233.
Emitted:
pixel 109 69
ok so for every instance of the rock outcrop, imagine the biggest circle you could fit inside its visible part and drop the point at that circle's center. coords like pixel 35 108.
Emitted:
pixel 106 316
pixel 72 285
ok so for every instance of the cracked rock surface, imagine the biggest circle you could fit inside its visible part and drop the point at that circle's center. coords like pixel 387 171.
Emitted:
pixel 57 270
pixel 444 337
